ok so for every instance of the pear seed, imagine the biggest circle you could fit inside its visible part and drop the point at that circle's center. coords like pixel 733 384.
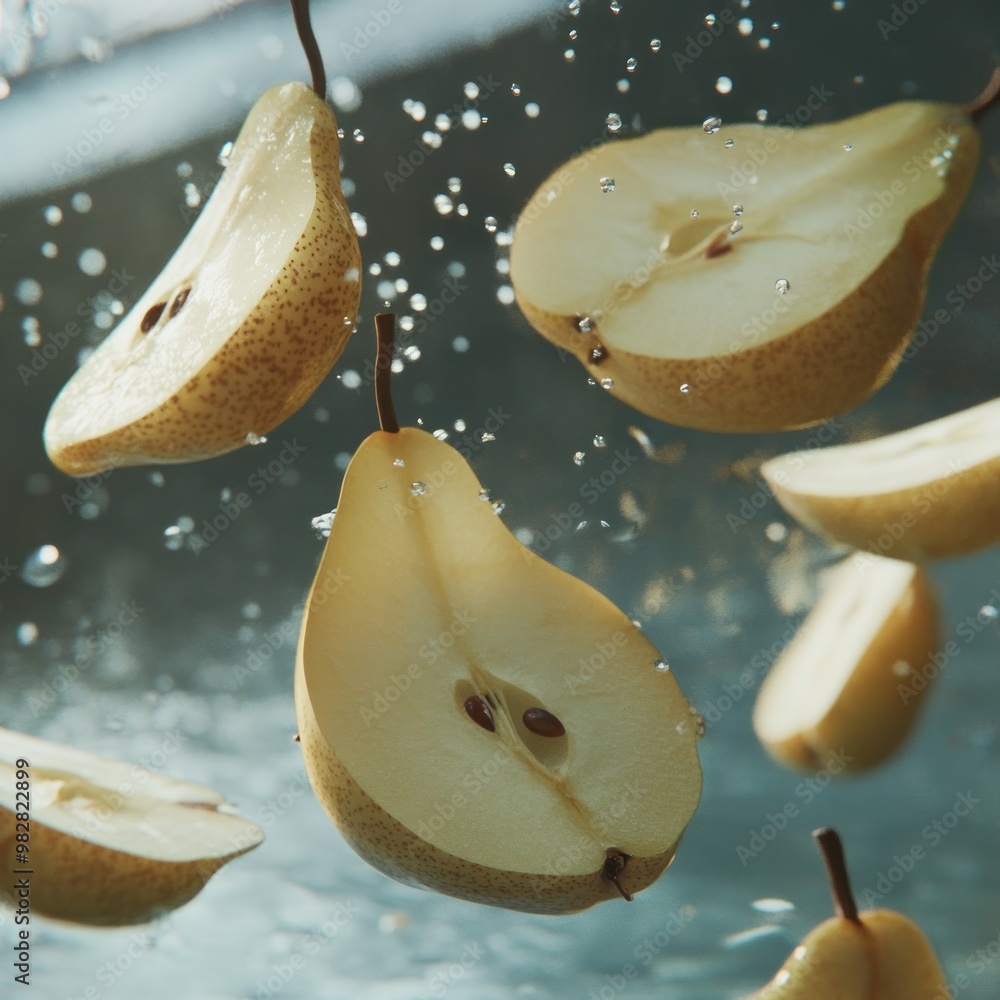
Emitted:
pixel 179 301
pixel 153 314
pixel 543 723
pixel 480 712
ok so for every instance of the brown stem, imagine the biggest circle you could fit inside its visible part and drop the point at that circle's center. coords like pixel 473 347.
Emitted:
pixel 975 108
pixel 836 870
pixel 385 330
pixel 303 25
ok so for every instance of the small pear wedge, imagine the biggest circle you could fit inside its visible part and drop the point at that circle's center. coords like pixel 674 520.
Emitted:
pixel 929 492
pixel 106 843
pixel 475 720
pixel 245 320
pixel 746 277
pixel 871 955
pixel 848 689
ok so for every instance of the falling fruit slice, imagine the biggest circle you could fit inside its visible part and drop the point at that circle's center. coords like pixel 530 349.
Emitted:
pixel 844 694
pixel 871 955
pixel 98 841
pixel 761 287
pixel 929 492
pixel 245 320
pixel 475 720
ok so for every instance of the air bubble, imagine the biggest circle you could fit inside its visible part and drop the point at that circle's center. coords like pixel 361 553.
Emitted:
pixel 498 507
pixel 350 379
pixel 724 85
pixel 781 286
pixel 711 125
pixel 53 215
pixel 443 204
pixel 764 43
pixel 736 227
pixel 579 457
pixel 710 19
pixel 655 44
pixel 44 567
pixel 532 109
pixel 92 262
pixel 418 489
pixel 515 89
pixel 661 666
pixel 490 224
pixel 255 439
pixel 509 169
pixel 738 209
pixel 322 523
pixel 569 55
pixel 437 243
pixel 685 387
pixel 81 202
pixel 848 147
pixel 27 634
pixel 745 26
pixel 613 122
pixel 584 324
pixel 607 184
pixel 607 383
pixel 630 64
pixel 599 441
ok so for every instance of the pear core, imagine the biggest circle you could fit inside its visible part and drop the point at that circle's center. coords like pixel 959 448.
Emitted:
pixel 424 600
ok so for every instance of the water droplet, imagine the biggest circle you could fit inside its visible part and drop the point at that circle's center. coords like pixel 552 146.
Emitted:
pixel 50 250
pixel 542 723
pixel 661 666
pixel 44 567
pixel 848 147
pixel 437 243
pixel 736 227
pixel 771 905
pixel 607 383
pixel 569 55
pixel 781 286
pixel 418 489
pixel 82 202
pixel 745 26
pixel 441 434
pixel 255 439
pixel 578 458
pixel 729 144
pixel 574 8
pixel 27 633
pixel 599 441
pixel 509 169
pixel 92 262
pixel 712 125
pixel 738 209
pixel 761 115
pixel 764 43
pixel 484 495
pixel 28 292
pixel 901 668
pixel 498 507
pixel 695 213
pixel 490 223
pixel 699 722
pixel 532 109
pixel 53 215
pixel 443 204
pixel 613 122
pixel 584 324
pixel 607 184
pixel 515 89
pixel 710 19
pixel 655 44
pixel 685 387
pixel 989 613
pixel 630 64
pixel 775 25
pixel 615 7
pixel 776 532
pixel 724 85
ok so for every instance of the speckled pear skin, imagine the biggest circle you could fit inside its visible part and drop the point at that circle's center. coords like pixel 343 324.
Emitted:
pixel 82 882
pixel 825 368
pixel 273 362
pixel 399 853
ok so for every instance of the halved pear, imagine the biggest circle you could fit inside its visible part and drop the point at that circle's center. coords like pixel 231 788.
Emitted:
pixel 841 696
pixel 866 955
pixel 107 843
pixel 245 320
pixel 929 492
pixel 760 287
pixel 475 720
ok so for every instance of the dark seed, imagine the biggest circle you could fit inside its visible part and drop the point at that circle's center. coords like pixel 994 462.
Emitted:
pixel 179 301
pixel 480 712
pixel 152 317
pixel 543 723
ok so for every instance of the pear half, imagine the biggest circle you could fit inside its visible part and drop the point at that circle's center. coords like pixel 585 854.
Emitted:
pixel 108 843
pixel 929 492
pixel 626 256
pixel 866 955
pixel 434 655
pixel 245 320
pixel 840 695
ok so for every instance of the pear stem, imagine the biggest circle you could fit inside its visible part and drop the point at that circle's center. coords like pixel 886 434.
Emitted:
pixel 385 330
pixel 975 108
pixel 836 870
pixel 303 25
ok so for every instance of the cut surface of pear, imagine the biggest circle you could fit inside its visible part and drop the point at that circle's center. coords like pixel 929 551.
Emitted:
pixel 424 600
pixel 833 697
pixel 244 321
pixel 760 287
pixel 110 843
pixel 866 955
pixel 929 492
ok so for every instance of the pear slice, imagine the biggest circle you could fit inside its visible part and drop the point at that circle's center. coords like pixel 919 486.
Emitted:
pixel 840 696
pixel 245 320
pixel 107 843
pixel 475 720
pixel 799 315
pixel 929 492
pixel 866 955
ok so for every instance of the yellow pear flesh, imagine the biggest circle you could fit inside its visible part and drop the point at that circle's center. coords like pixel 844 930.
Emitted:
pixel 929 492
pixel 842 694
pixel 882 956
pixel 108 843
pixel 245 320
pixel 424 600
pixel 799 315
